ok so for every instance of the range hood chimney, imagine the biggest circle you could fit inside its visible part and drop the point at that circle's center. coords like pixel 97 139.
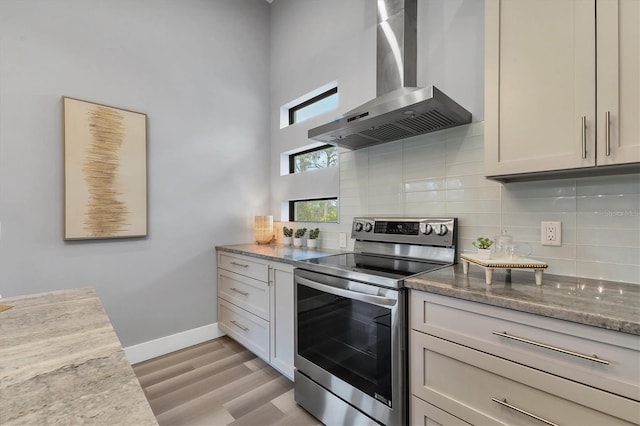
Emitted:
pixel 400 109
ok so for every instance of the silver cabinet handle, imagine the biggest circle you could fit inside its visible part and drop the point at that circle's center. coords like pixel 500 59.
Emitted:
pixel 553 348
pixel 607 138
pixel 240 326
pixel 244 293
pixel 520 410
pixel 244 265
pixel 584 136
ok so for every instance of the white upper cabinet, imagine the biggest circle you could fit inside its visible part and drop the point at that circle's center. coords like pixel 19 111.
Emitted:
pixel 541 113
pixel 618 95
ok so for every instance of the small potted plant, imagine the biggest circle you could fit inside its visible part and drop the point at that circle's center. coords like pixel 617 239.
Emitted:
pixel 484 247
pixel 312 242
pixel 288 236
pixel 297 239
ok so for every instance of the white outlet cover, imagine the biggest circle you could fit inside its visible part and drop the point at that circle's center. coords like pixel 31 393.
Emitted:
pixel 343 240
pixel 553 238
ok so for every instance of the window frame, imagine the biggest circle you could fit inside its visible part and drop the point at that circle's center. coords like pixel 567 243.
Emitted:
pixel 292 209
pixel 321 96
pixel 292 157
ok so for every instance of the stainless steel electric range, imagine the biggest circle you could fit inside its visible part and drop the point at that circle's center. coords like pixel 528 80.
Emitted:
pixel 351 319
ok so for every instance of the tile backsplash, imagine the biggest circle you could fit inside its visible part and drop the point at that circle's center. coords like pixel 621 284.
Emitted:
pixel 442 173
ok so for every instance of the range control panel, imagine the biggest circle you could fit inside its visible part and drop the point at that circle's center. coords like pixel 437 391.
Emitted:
pixel 424 231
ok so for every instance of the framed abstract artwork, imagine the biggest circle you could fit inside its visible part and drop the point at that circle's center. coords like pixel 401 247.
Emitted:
pixel 105 171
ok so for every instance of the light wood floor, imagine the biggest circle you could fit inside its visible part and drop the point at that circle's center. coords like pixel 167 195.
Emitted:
pixel 218 383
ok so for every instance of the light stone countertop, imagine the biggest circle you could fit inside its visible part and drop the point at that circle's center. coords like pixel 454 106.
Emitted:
pixel 62 363
pixel 278 252
pixel 605 304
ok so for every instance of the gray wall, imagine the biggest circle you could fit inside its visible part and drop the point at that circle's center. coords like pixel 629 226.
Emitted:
pixel 199 70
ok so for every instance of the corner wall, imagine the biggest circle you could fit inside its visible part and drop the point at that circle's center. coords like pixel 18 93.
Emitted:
pixel 199 70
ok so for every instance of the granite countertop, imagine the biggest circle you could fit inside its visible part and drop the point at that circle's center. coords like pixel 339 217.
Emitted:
pixel 278 252
pixel 605 304
pixel 62 363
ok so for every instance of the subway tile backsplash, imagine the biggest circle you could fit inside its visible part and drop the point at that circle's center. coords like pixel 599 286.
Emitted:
pixel 442 173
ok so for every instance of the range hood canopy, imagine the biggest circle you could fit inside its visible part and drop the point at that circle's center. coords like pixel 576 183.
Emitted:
pixel 400 109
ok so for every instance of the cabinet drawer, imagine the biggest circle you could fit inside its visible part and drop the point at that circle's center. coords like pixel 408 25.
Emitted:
pixel 476 386
pixel 547 344
pixel 424 414
pixel 249 330
pixel 248 293
pixel 244 265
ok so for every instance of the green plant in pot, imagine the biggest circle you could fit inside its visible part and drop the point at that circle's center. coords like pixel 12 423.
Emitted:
pixel 483 245
pixel 288 236
pixel 297 239
pixel 312 242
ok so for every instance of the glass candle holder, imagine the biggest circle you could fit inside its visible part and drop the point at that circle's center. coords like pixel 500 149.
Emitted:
pixel 263 229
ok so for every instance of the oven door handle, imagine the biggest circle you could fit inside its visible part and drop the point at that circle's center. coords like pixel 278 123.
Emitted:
pixel 362 297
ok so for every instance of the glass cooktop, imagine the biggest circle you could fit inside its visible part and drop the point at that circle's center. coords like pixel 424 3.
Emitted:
pixel 387 271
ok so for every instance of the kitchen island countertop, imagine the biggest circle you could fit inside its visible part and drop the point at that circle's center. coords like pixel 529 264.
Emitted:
pixel 605 304
pixel 62 363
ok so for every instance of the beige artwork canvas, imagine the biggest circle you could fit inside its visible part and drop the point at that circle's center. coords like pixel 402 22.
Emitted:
pixel 105 171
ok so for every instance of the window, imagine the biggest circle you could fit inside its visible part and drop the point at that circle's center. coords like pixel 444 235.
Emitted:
pixel 321 157
pixel 314 106
pixel 317 210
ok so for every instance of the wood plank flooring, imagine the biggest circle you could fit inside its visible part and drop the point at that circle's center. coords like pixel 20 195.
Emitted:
pixel 218 383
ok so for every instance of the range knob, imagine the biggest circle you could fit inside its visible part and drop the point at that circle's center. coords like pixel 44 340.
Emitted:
pixel 368 227
pixel 358 226
pixel 441 229
pixel 428 229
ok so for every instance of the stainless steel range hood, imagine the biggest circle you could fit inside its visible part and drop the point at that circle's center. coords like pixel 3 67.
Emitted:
pixel 400 109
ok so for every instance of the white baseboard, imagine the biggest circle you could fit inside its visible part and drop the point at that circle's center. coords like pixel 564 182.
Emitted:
pixel 164 345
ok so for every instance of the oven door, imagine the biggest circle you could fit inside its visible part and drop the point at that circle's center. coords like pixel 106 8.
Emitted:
pixel 350 339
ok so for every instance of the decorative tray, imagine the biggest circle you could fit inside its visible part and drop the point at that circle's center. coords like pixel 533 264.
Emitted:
pixel 503 263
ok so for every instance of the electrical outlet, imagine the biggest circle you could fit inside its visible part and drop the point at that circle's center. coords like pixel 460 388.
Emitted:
pixel 551 233
pixel 343 240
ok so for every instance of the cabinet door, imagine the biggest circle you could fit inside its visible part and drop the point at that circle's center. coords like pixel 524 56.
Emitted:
pixel 539 85
pixel 618 45
pixel 282 315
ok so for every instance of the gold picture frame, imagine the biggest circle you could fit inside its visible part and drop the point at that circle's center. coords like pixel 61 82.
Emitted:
pixel 105 171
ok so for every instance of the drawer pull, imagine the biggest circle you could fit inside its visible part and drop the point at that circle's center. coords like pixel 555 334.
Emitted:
pixel 244 293
pixel 584 137
pixel 243 265
pixel 240 326
pixel 607 125
pixel 553 348
pixel 520 410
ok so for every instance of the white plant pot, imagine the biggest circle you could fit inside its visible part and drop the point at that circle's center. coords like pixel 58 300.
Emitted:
pixel 312 243
pixel 287 241
pixel 297 242
pixel 484 253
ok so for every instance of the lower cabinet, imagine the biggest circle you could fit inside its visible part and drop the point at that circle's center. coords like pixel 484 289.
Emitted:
pixel 282 318
pixel 451 374
pixel 255 307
